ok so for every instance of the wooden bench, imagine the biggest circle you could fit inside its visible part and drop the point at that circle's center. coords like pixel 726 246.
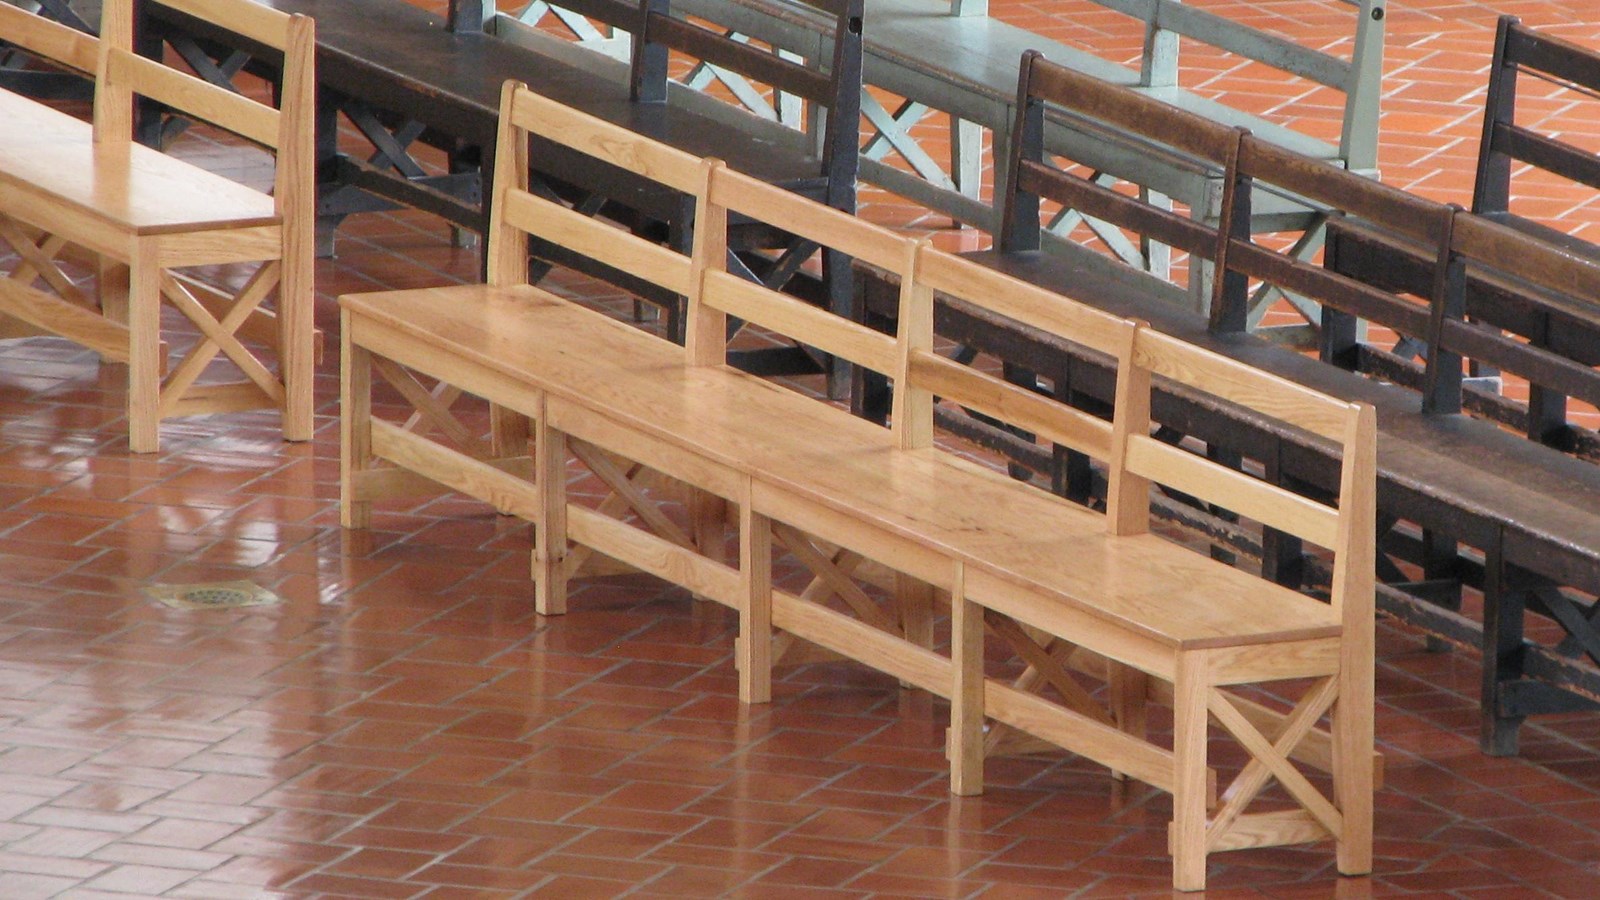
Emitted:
pixel 835 491
pixel 148 217
pixel 1462 500
pixel 1555 329
pixel 950 63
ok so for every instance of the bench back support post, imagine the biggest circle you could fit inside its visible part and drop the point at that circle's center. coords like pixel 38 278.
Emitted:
pixel 1019 210
pixel 1441 384
pixel 467 16
pixel 1230 289
pixel 507 250
pixel 1358 135
pixel 1491 190
pixel 647 80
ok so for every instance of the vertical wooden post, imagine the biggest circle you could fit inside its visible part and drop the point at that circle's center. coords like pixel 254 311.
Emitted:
pixel 754 653
pixel 1190 786
pixel 966 694
pixel 144 347
pixel 355 425
pixel 550 529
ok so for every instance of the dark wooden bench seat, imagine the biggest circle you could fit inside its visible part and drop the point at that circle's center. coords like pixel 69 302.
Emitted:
pixel 1466 501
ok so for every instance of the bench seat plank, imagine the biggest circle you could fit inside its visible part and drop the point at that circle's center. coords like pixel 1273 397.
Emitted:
pixel 51 154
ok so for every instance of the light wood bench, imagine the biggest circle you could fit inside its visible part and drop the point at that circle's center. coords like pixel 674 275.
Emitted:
pixel 148 217
pixel 667 428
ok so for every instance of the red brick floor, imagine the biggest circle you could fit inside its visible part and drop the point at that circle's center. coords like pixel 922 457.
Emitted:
pixel 404 726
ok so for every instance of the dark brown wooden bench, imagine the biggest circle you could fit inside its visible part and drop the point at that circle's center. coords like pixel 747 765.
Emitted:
pixel 1556 334
pixel 1460 498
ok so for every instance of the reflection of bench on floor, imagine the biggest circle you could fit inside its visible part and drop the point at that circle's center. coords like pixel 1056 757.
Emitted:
pixel 1467 503
pixel 148 217
pixel 1068 588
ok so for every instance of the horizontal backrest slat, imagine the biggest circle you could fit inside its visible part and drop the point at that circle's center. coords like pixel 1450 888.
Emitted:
pixel 797 319
pixel 1018 300
pixel 606 141
pixel 194 97
pixel 1552 55
pixel 754 63
pixel 1536 364
pixel 48 39
pixel 1162 225
pixel 1340 189
pixel 1542 263
pixel 1250 497
pixel 255 21
pixel 1548 153
pixel 813 221
pixel 1234 36
pixel 1129 111
pixel 1328 287
pixel 1238 383
pixel 980 391
pixel 595 240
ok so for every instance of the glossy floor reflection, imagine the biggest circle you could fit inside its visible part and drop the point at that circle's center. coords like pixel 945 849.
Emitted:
pixel 403 726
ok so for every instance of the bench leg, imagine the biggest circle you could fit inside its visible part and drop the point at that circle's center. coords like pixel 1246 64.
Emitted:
pixel 753 655
pixel 355 427
pixel 1353 772
pixel 966 748
pixel 112 287
pixel 550 529
pixel 144 350
pixel 708 518
pixel 1189 721
pixel 915 601
pixel 1129 689
pixel 297 365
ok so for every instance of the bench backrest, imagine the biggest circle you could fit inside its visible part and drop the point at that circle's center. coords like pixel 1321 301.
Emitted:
pixel 48 39
pixel 923 375
pixel 1139 460
pixel 517 213
pixel 834 91
pixel 1239 160
pixel 723 294
pixel 1519 49
pixel 123 75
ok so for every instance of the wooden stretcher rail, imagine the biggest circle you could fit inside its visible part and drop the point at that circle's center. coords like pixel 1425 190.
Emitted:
pixel 677 437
